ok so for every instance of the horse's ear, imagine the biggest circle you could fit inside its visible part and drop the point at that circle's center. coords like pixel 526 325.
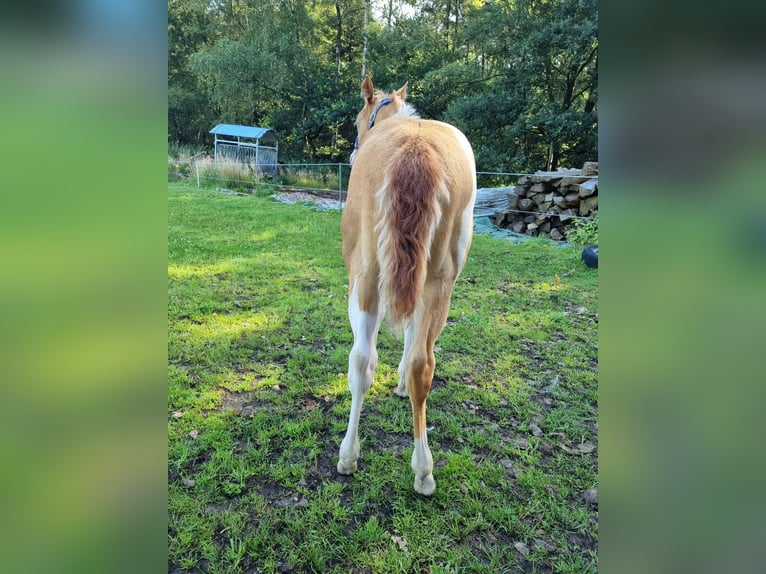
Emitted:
pixel 368 91
pixel 402 92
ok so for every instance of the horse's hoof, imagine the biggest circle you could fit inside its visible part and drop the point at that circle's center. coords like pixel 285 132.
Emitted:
pixel 346 467
pixel 400 391
pixel 425 486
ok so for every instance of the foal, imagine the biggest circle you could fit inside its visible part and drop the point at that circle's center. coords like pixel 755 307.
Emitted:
pixel 407 227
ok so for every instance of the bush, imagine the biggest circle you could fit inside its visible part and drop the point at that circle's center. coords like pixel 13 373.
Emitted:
pixel 584 231
pixel 181 159
pixel 181 151
pixel 178 169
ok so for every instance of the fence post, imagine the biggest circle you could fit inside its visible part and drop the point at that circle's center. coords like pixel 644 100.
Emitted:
pixel 340 186
pixel 196 167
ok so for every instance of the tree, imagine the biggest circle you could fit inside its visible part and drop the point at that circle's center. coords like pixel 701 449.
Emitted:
pixel 544 55
pixel 518 76
pixel 191 26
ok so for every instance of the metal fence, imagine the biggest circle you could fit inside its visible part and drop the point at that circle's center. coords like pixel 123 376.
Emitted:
pixel 263 157
pixel 328 180
pixel 321 177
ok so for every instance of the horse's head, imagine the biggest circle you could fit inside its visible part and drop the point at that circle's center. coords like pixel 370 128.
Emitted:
pixel 379 106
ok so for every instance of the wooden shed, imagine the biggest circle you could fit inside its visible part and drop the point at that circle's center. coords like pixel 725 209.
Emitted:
pixel 247 144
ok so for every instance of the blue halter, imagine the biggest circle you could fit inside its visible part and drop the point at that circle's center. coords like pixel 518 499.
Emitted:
pixel 373 115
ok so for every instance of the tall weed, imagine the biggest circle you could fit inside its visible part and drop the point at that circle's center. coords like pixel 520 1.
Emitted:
pixel 225 172
pixel 310 177
pixel 584 231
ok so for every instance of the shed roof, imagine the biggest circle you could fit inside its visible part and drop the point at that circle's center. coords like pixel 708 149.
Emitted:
pixel 253 132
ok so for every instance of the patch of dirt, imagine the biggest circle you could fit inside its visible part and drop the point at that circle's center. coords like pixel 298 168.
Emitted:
pixel 324 470
pixel 215 508
pixel 294 500
pixel 438 383
pixel 227 191
pixel 581 541
pixel 243 403
pixel 320 201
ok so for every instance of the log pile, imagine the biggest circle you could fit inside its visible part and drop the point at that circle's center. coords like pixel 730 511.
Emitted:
pixel 546 202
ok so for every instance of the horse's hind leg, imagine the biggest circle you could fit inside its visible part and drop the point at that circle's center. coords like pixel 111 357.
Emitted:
pixel 428 323
pixel 401 388
pixel 361 367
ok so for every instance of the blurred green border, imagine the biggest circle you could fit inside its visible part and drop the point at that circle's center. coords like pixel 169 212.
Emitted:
pixel 682 279
pixel 83 228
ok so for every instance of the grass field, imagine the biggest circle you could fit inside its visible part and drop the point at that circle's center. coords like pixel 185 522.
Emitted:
pixel 258 403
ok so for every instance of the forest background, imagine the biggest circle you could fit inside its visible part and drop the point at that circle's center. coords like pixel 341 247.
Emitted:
pixel 519 77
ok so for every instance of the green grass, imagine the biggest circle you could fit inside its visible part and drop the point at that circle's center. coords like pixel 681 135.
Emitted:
pixel 258 403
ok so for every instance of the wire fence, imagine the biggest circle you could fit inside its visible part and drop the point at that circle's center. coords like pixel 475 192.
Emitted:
pixel 327 180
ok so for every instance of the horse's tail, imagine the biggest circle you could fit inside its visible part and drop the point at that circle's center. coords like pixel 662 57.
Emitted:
pixel 409 204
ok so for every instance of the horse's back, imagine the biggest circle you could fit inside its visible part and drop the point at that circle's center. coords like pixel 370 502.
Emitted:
pixel 447 143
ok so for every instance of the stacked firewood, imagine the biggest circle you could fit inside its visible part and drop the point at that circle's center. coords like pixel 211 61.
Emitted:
pixel 547 202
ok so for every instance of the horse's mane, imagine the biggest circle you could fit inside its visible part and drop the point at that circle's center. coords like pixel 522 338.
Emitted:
pixel 407 111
